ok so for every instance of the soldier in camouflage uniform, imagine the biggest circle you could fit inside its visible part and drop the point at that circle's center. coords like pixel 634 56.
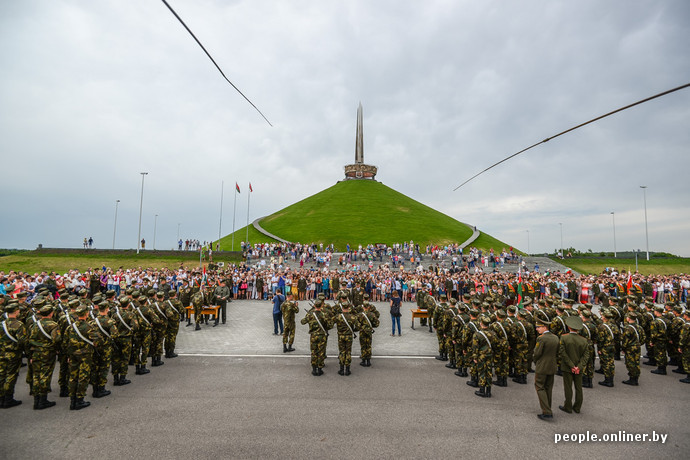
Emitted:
pixel 420 297
pixel 632 339
pixel 289 308
pixel 159 319
pixel 448 319
pixel 141 342
pixel 606 344
pixel 13 339
pixel 368 321
pixel 483 344
pixel 319 324
pixel 105 328
pixel 589 332
pixel 82 337
pixel 64 322
pixel 173 312
pixel 659 336
pixel 459 323
pixel 430 305
pixel 684 346
pixel 346 324
pixel 468 357
pixel 439 325
pixel 500 328
pixel 523 335
pixel 199 299
pixel 674 328
pixel 186 298
pixel 44 342
pixel 127 326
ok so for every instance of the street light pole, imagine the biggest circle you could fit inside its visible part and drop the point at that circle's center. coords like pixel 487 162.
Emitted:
pixel 115 225
pixel 155 224
pixel 562 255
pixel 141 206
pixel 646 231
pixel 613 217
pixel 528 251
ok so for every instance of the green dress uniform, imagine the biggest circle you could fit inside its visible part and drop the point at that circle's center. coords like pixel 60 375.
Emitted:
pixel 545 362
pixel 573 351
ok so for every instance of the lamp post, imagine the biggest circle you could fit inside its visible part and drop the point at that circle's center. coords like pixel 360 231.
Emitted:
pixel 613 218
pixel 115 225
pixel 562 255
pixel 646 231
pixel 141 206
pixel 528 251
pixel 155 224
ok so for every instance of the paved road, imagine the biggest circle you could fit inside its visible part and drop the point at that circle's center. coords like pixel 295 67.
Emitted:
pixel 212 403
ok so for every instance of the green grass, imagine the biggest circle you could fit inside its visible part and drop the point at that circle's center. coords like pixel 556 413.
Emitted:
pixel 241 235
pixel 362 212
pixel 33 262
pixel 486 242
pixel 655 266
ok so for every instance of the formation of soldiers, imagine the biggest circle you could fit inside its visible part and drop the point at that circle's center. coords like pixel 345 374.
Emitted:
pixel 88 337
pixel 350 314
pixel 480 336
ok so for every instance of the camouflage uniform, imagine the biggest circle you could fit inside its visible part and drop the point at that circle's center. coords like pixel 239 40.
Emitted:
pixel 65 321
pixel 456 333
pixel 159 320
pixel 684 348
pixel 420 297
pixel 319 324
pixel 483 343
pixel 430 305
pixel 346 324
pixel 500 328
pixel 606 345
pixel 174 313
pixel 439 324
pixel 82 339
pixel 105 328
pixel 632 339
pixel 658 337
pixel 13 338
pixel 368 321
pixel 448 318
pixel 523 333
pixel 44 343
pixel 469 358
pixel 289 309
pixel 127 326
pixel 588 331
pixel 141 343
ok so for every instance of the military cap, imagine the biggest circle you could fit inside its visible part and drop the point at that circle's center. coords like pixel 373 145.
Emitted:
pixel 103 306
pixel 588 306
pixel 512 309
pixel 670 304
pixel 485 320
pixel 73 303
pixel 124 301
pixel 342 294
pixel 160 294
pixel 38 302
pixel 453 301
pixel 136 293
pixel 568 302
pixel 110 293
pixel 366 296
pixel 678 309
pixel 151 292
pixel 526 300
pixel 62 291
pixel 474 312
pixel 476 302
pixel 501 313
pixel 574 322
pixel 522 313
pixel 549 300
pixel 130 290
pixel 586 313
pixel 443 296
pixel 45 310
pixel 486 305
pixel 11 307
pixel 463 307
pixel 321 297
pixel 541 322
pixel 659 308
pixel 22 294
pixel 608 314
pixel 649 298
pixel 97 298
pixel 687 313
pixel 631 315
pixel 81 311
pixel 560 307
pixel 542 302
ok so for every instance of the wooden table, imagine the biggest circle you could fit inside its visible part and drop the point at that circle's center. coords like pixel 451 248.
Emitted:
pixel 418 314
pixel 205 310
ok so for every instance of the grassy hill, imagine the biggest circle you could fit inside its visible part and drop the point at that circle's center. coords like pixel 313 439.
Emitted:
pixel 363 212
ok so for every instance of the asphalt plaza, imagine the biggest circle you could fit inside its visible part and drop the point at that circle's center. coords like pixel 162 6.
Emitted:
pixel 233 393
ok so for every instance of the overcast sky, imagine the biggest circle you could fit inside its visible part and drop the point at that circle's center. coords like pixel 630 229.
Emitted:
pixel 93 93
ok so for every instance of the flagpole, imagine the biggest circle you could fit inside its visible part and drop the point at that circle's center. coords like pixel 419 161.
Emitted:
pixel 234 208
pixel 220 224
pixel 249 193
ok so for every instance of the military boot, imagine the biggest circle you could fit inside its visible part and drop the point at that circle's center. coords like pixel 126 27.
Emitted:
pixel 9 401
pixel 586 382
pixel 661 370
pixel 363 363
pixel 37 401
pixel 481 392
pixel 320 371
pixel 445 357
pixel 451 364
pixel 157 361
pixel 599 371
pixel 314 371
pixel 488 392
pixel 198 327
pixel 43 402
pixel 290 347
pixel 285 349
pixel 347 370
pixel 680 370
pixel 342 370
pixel 511 372
pixel 439 357
pixel 607 382
pixel 650 362
pixel 80 404
pixel 142 370
pixel 631 381
pixel 473 382
pixel 124 381
pixel 72 402
pixel 460 372
pixel 368 362
pixel 64 392
pixel 686 379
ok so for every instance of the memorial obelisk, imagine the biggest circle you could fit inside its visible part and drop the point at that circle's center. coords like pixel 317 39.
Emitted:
pixel 359 170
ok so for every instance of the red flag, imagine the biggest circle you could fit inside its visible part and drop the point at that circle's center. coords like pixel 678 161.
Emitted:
pixel 629 284
pixel 237 187
pixel 250 188
pixel 519 294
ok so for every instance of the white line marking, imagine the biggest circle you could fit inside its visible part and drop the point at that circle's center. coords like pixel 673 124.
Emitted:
pixel 230 355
